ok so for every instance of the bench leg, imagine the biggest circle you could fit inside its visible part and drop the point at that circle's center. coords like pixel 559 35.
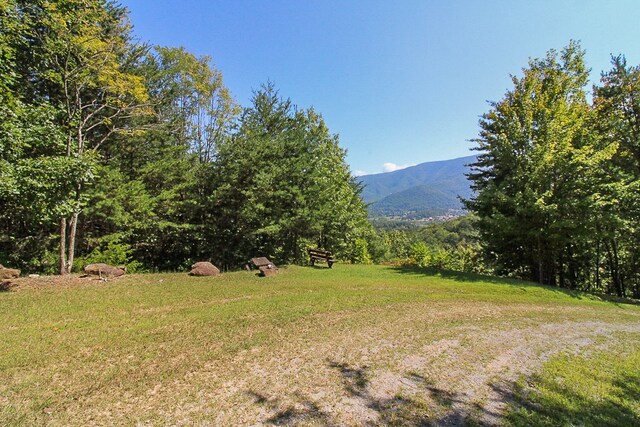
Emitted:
pixel 330 264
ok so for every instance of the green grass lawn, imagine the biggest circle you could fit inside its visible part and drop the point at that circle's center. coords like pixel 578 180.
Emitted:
pixel 353 345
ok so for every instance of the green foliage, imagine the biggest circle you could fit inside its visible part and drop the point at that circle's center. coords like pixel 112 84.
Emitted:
pixel 551 179
pixel 420 254
pixel 463 258
pixel 450 245
pixel 532 147
pixel 359 253
pixel 103 137
pixel 113 252
pixel 282 180
pixel 449 234
pixel 617 107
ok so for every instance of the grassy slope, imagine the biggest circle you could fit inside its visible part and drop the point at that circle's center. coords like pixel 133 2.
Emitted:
pixel 350 345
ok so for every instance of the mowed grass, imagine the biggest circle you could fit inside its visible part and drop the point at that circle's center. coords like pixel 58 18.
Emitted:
pixel 601 389
pixel 352 345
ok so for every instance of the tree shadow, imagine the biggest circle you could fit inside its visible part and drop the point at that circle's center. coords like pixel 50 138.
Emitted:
pixel 284 415
pixel 355 380
pixel 458 276
pixel 403 410
pixel 318 267
pixel 428 405
pixel 559 405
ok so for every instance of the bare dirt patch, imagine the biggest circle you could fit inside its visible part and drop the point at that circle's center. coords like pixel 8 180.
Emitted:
pixel 384 373
pixel 58 282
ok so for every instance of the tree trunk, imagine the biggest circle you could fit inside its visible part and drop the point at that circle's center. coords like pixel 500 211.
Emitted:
pixel 540 266
pixel 619 281
pixel 597 266
pixel 561 269
pixel 612 257
pixel 71 248
pixel 63 242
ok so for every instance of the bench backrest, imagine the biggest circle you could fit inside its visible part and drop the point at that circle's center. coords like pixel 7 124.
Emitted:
pixel 318 252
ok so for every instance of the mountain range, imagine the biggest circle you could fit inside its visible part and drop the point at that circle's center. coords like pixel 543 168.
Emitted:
pixel 430 189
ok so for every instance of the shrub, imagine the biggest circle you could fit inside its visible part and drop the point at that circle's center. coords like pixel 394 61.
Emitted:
pixel 114 253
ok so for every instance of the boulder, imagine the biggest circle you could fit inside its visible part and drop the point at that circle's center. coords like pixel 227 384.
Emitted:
pixel 105 270
pixel 204 269
pixel 6 285
pixel 9 273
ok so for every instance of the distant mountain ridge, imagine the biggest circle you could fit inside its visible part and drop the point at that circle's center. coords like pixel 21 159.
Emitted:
pixel 424 190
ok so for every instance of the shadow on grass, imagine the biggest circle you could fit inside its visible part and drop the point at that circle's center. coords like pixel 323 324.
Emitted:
pixel 319 267
pixel 395 410
pixel 306 412
pixel 458 276
pixel 446 408
pixel 558 405
pixel 428 405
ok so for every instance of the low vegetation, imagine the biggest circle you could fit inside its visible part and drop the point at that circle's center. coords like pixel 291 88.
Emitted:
pixel 353 345
pixel 588 389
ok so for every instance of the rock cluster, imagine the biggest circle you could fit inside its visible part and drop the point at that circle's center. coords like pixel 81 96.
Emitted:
pixel 8 273
pixel 105 270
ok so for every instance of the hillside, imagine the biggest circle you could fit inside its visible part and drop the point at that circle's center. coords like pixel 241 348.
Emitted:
pixel 354 345
pixel 427 189
pixel 421 201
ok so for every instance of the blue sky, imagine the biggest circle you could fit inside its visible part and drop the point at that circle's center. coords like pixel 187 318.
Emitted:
pixel 402 82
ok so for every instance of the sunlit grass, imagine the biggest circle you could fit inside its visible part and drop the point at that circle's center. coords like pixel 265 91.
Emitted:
pixel 594 389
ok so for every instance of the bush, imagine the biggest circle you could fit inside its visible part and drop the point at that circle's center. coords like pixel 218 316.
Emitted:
pixel 360 252
pixel 464 258
pixel 115 253
pixel 420 254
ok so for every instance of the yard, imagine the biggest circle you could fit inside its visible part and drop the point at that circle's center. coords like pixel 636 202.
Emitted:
pixel 354 345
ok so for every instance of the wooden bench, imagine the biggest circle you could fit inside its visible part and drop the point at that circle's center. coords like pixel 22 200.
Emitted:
pixel 318 255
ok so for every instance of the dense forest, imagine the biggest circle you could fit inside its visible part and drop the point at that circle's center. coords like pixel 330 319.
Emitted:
pixel 112 150
pixel 116 151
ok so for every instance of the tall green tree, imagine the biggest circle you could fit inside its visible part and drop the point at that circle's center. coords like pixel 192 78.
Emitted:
pixel 75 52
pixel 175 159
pixel 35 174
pixel 535 170
pixel 283 186
pixel 617 106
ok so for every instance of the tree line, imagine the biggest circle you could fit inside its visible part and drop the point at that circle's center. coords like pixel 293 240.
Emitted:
pixel 557 179
pixel 113 150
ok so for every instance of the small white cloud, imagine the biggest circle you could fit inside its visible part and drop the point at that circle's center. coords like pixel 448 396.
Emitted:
pixel 359 173
pixel 390 167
